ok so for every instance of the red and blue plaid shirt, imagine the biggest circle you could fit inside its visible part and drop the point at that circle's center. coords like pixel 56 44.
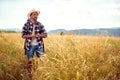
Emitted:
pixel 28 29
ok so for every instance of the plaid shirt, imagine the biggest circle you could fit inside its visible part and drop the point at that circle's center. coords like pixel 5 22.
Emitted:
pixel 28 29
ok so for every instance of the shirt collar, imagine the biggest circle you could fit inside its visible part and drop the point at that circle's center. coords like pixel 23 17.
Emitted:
pixel 31 22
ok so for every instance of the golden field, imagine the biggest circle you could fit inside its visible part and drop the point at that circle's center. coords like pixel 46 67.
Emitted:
pixel 67 57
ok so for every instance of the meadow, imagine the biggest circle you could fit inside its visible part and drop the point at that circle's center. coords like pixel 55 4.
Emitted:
pixel 67 57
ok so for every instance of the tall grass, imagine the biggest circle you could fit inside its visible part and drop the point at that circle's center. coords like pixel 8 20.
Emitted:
pixel 67 57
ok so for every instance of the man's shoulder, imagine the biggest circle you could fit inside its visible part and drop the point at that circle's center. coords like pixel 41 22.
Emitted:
pixel 26 25
pixel 28 22
pixel 40 24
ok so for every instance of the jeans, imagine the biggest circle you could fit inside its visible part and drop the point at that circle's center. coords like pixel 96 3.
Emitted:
pixel 30 53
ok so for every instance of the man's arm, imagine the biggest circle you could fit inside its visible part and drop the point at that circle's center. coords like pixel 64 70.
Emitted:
pixel 29 36
pixel 25 33
pixel 41 35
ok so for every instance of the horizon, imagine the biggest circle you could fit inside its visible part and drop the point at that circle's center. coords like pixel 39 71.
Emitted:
pixel 17 29
pixel 62 14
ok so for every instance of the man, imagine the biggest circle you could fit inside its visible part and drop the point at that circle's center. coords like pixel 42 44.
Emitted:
pixel 33 32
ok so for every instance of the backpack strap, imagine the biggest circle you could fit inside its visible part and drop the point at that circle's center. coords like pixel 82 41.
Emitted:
pixel 27 25
pixel 39 25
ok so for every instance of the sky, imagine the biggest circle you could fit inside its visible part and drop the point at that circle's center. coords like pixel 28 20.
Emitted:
pixel 62 14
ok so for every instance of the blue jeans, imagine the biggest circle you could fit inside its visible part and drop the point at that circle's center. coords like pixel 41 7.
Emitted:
pixel 30 53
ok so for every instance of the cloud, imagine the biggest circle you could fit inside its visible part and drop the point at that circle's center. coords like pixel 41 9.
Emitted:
pixel 67 14
pixel 95 1
pixel 74 14
pixel 111 5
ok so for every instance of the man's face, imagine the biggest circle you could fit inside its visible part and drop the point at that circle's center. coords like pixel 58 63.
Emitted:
pixel 34 16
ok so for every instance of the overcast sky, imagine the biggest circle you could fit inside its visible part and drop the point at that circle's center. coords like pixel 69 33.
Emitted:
pixel 62 14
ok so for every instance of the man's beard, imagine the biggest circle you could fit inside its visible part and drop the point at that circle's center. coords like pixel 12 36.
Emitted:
pixel 35 18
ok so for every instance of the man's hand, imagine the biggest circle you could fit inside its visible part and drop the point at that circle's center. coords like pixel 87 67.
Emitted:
pixel 32 35
pixel 35 35
pixel 40 35
pixel 29 36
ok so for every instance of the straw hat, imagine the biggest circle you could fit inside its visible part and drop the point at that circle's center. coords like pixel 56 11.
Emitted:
pixel 33 10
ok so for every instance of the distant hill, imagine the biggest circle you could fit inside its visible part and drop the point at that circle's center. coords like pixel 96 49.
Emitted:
pixel 101 31
pixel 10 30
pixel 57 31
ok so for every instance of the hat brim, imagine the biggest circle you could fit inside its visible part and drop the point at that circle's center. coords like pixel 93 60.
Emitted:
pixel 38 12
